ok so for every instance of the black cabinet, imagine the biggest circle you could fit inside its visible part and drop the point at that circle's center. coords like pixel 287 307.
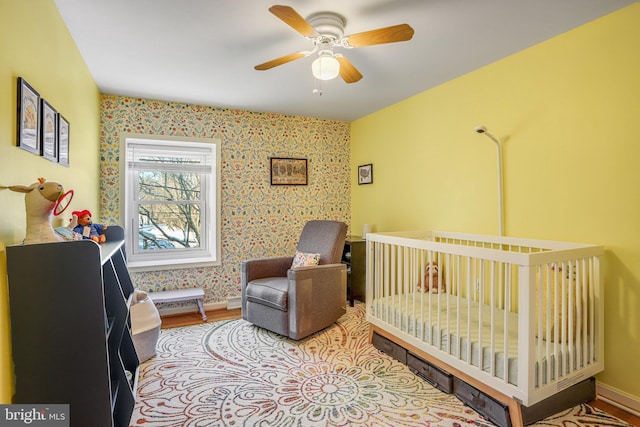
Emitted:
pixel 71 330
pixel 354 257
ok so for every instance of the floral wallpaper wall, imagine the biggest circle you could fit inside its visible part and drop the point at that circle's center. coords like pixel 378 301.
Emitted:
pixel 258 220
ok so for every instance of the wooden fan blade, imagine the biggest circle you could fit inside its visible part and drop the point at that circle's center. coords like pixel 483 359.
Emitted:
pixel 294 20
pixel 279 61
pixel 396 33
pixel 348 72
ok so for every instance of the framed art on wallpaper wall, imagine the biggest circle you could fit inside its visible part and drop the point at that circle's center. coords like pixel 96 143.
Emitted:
pixel 288 171
pixel 28 117
pixel 63 140
pixel 49 131
pixel 365 174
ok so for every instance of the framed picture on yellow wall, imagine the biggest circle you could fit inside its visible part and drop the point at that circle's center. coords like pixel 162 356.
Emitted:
pixel 28 137
pixel 49 131
pixel 63 140
pixel 365 174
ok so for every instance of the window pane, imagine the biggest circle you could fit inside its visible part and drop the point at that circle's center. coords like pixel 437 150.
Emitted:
pixel 168 226
pixel 171 205
pixel 169 186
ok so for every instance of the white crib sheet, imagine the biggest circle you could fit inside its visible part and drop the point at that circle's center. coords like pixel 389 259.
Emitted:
pixel 446 317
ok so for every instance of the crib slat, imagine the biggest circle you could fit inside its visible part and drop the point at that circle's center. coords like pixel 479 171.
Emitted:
pixel 507 310
pixel 480 307
pixel 457 290
pixel 492 314
pixel 470 277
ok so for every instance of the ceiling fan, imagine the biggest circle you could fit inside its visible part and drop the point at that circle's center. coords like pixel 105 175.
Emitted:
pixel 326 31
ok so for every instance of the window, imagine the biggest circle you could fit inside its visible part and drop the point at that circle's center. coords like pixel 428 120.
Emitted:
pixel 172 202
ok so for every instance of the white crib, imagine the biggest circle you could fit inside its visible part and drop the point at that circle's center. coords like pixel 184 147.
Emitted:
pixel 519 320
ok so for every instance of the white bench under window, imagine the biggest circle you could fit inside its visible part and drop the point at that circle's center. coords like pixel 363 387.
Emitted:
pixel 181 295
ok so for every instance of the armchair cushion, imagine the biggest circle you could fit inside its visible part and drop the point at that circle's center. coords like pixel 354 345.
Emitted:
pixel 324 237
pixel 270 291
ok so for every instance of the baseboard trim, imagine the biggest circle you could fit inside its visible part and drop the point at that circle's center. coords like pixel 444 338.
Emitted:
pixel 618 398
pixel 234 302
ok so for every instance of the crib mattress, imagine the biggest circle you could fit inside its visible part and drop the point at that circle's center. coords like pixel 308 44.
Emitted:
pixel 462 329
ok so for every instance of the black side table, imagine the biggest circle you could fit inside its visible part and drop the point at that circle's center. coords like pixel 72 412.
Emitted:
pixel 354 256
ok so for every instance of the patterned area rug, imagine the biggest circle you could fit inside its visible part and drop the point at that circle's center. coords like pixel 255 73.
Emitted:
pixel 232 374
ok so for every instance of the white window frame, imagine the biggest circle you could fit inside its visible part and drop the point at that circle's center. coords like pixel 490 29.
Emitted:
pixel 209 252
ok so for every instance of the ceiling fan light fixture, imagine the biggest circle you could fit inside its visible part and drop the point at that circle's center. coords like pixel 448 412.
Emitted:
pixel 326 31
pixel 325 67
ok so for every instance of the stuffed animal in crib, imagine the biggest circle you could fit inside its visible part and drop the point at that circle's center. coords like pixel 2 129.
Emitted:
pixel 84 226
pixel 434 285
pixel 41 200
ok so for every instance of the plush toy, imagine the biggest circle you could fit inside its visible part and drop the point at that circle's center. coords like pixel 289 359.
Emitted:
pixel 41 200
pixel 82 224
pixel 433 284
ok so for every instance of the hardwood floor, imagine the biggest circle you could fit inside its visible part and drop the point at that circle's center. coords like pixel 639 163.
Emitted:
pixel 178 320
pixel 616 412
pixel 194 318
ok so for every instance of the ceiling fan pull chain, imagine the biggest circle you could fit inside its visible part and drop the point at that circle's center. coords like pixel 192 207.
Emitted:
pixel 317 86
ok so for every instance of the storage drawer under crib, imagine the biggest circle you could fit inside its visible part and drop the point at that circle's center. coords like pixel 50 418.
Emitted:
pixel 575 395
pixel 435 376
pixel 485 405
pixel 389 347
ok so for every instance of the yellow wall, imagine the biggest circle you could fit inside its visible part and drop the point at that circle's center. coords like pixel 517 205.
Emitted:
pixel 567 113
pixel 35 44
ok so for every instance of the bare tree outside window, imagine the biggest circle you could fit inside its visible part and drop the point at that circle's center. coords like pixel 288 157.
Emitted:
pixel 169 210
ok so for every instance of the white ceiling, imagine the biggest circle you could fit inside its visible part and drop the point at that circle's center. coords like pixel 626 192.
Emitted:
pixel 204 51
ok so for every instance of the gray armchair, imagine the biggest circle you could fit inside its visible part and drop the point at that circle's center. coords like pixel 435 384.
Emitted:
pixel 300 301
